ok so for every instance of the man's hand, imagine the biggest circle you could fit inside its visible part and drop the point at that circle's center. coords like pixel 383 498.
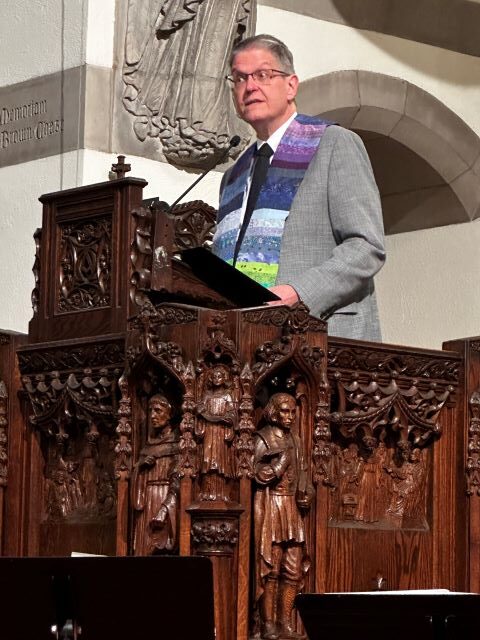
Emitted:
pixel 286 293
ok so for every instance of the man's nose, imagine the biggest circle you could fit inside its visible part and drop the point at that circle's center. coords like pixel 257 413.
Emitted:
pixel 251 84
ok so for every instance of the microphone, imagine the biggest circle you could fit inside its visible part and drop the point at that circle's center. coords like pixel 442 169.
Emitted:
pixel 233 142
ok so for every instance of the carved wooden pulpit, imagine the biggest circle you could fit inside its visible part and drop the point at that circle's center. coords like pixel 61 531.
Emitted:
pixel 159 418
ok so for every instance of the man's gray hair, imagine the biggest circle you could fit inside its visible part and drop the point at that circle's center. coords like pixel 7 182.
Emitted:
pixel 264 41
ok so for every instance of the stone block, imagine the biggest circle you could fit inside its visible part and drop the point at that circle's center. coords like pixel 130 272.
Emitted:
pixel 434 115
pixel 430 146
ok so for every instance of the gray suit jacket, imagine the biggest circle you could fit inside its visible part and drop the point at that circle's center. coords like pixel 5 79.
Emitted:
pixel 333 241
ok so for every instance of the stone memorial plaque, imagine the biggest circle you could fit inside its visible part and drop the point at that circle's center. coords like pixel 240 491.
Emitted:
pixel 42 117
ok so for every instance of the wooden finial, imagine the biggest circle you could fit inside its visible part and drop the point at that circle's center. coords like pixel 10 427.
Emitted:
pixel 120 168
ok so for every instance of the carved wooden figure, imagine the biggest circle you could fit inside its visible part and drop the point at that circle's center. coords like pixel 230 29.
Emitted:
pixel 217 417
pixel 370 484
pixel 155 483
pixel 407 496
pixel 282 495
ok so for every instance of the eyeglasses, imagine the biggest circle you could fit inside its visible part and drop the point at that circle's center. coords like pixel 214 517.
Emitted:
pixel 260 76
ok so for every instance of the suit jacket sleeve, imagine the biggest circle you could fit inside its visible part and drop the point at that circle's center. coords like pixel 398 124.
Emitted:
pixel 333 241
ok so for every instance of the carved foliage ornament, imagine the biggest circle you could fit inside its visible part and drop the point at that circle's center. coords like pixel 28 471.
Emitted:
pixel 188 465
pixel 418 366
pixel 194 223
pixel 144 338
pixel 141 256
pixel 85 265
pixel 99 354
pixel 473 456
pixel 37 236
pixel 151 318
pixel 295 319
pixel 3 434
pixel 411 411
pixel 123 446
pixel 52 395
pixel 215 536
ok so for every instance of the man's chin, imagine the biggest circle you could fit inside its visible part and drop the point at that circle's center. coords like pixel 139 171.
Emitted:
pixel 254 113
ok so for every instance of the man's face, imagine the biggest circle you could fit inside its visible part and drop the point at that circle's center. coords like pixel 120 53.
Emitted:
pixel 264 106
pixel 286 414
pixel 159 414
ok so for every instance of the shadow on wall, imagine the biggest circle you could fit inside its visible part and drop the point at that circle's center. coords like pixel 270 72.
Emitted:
pixel 425 158
pixel 451 25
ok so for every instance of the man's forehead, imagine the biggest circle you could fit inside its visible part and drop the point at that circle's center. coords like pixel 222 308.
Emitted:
pixel 258 54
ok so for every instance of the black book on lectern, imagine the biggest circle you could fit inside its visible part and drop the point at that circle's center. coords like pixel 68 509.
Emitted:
pixel 100 598
pixel 390 616
pixel 225 279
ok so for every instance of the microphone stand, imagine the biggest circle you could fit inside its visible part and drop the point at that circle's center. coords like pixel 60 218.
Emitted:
pixel 234 142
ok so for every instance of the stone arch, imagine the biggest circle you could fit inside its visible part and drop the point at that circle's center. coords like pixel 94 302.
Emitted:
pixel 412 126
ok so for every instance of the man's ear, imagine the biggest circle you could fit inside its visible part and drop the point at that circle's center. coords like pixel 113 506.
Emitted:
pixel 292 84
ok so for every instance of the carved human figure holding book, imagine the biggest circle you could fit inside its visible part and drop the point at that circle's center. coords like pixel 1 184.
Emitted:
pixel 217 421
pixel 283 494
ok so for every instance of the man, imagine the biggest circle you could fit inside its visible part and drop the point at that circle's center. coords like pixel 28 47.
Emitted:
pixel 283 493
pixel 316 231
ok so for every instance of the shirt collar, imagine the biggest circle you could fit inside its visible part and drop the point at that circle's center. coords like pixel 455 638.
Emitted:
pixel 274 139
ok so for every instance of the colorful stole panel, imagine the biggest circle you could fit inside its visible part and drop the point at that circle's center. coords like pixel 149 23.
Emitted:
pixel 259 254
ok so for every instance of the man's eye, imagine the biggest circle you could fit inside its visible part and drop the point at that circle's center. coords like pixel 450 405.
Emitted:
pixel 262 74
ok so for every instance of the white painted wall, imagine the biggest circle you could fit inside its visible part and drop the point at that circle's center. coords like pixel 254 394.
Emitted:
pixel 39 37
pixel 100 32
pixel 428 288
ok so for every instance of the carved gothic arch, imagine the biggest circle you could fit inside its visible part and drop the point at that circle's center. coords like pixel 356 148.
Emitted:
pixel 417 127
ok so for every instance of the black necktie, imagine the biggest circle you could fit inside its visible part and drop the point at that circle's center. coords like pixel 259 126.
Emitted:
pixel 262 161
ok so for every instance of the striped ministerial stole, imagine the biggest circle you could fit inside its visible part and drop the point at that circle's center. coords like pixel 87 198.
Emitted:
pixel 259 253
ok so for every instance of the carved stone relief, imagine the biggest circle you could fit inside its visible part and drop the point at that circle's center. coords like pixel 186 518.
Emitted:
pixel 176 60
